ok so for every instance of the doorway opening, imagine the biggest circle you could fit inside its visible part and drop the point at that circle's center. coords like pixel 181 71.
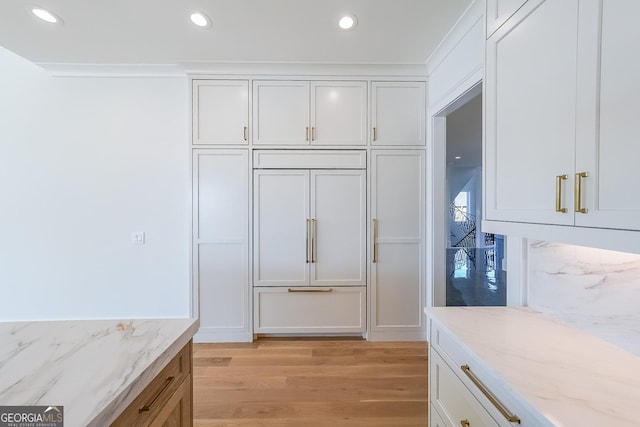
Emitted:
pixel 475 273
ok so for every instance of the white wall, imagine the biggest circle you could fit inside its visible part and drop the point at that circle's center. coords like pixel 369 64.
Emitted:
pixel 83 163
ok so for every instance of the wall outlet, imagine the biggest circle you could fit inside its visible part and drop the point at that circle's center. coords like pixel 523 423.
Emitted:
pixel 137 237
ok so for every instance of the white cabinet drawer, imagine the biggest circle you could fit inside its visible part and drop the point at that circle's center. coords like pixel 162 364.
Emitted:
pixel 310 310
pixel 452 399
pixel 448 349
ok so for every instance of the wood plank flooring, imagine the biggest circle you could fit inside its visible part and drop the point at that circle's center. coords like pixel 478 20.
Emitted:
pixel 305 382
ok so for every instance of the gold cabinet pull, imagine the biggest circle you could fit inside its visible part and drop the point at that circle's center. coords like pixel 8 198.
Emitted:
pixel 314 240
pixel 313 133
pixel 512 418
pixel 306 134
pixel 148 406
pixel 559 180
pixel 375 133
pixel 577 193
pixel 375 239
pixel 465 423
pixel 309 290
pixel 245 133
pixel 308 221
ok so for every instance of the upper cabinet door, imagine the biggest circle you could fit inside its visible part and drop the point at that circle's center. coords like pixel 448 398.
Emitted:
pixel 338 209
pixel 281 112
pixel 530 101
pixel 220 112
pixel 398 113
pixel 338 113
pixel 498 11
pixel 609 152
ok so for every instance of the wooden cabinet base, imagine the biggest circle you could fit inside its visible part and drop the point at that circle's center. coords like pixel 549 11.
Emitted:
pixel 167 400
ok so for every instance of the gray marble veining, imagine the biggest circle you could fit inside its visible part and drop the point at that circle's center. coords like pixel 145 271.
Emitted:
pixel 94 368
pixel 594 290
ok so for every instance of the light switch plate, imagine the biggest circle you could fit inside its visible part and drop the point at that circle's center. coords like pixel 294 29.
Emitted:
pixel 137 237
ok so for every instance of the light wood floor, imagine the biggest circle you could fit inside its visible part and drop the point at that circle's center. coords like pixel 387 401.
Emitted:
pixel 310 383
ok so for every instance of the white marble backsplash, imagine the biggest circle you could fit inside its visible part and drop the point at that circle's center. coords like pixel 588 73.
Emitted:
pixel 594 290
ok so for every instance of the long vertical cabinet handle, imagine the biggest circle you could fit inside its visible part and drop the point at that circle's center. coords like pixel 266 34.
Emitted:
pixel 577 202
pixel 245 133
pixel 308 221
pixel 314 240
pixel 374 224
pixel 306 134
pixel 559 180
pixel 313 133
pixel 375 133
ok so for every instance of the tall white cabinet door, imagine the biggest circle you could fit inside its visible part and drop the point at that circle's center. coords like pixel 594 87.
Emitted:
pixel 397 235
pixel 281 112
pixel 530 100
pixel 281 228
pixel 339 113
pixel 338 209
pixel 398 113
pixel 220 112
pixel 610 152
pixel 221 244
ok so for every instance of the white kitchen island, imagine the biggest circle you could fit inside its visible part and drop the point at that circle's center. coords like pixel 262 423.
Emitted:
pixel 93 368
pixel 537 369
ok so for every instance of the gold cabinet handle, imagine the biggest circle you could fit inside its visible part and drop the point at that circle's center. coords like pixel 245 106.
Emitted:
pixel 245 133
pixel 375 239
pixel 559 180
pixel 313 133
pixel 148 406
pixel 310 290
pixel 512 418
pixel 308 221
pixel 577 202
pixel 314 240
pixel 375 133
pixel 306 134
pixel 465 423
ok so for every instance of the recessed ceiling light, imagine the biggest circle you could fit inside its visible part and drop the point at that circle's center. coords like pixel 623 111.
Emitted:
pixel 458 157
pixel 348 22
pixel 45 15
pixel 200 19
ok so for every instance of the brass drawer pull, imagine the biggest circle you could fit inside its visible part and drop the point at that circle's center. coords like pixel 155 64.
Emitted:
pixel 314 241
pixel 306 134
pixel 147 407
pixel 313 133
pixel 308 223
pixel 375 240
pixel 309 290
pixel 512 418
pixel 375 133
pixel 559 180
pixel 465 423
pixel 245 133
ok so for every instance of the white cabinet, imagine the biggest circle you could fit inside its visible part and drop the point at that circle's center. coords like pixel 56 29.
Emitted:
pixel 530 95
pixel 397 236
pixel 608 110
pixel 221 243
pixel 562 99
pixel 398 113
pixel 309 113
pixel 309 227
pixel 498 11
pixel 220 112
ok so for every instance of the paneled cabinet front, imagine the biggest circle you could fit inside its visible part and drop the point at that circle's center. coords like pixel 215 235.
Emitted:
pixel 397 235
pixel 331 113
pixel 220 112
pixel 562 101
pixel 309 228
pixel 221 243
pixel 398 111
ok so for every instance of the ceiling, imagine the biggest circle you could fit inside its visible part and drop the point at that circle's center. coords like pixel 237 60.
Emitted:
pixel 291 31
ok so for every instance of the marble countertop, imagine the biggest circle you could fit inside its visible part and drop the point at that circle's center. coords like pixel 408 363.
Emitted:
pixel 570 377
pixel 94 368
